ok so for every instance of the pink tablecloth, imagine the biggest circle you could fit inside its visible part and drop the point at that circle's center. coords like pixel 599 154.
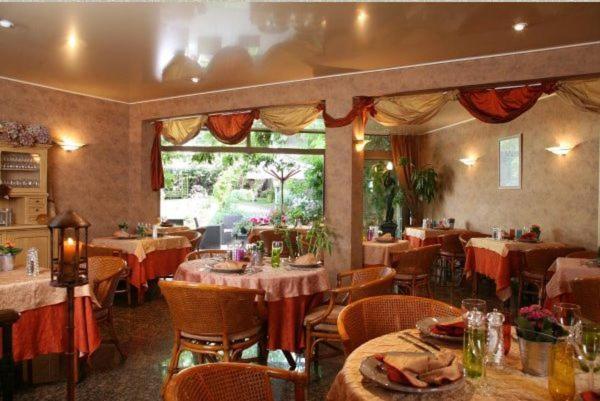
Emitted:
pixel 290 294
pixel 565 271
pixel 379 253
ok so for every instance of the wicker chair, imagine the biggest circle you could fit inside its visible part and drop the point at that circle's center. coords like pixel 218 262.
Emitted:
pixel 106 251
pixel 466 236
pixel 205 253
pixel 105 272
pixel 413 267
pixel 321 322
pixel 268 236
pixel 373 317
pixel 585 294
pixel 213 320
pixel 230 382
pixel 583 255
pixel 451 252
pixel 536 263
pixel 193 236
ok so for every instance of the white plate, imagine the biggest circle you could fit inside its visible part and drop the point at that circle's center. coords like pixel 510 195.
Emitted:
pixel 425 325
pixel 371 369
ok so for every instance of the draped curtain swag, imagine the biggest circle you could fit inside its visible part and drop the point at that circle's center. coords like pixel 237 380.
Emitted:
pixel 411 109
pixel 361 106
pixel 289 119
pixel 231 128
pixel 182 130
pixel 583 94
pixel 502 105
pixel 157 174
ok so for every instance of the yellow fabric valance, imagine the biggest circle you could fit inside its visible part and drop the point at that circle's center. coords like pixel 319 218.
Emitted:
pixel 179 131
pixel 289 119
pixel 410 109
pixel 583 94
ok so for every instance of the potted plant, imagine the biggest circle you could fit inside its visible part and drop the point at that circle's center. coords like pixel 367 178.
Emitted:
pixel 536 230
pixel 319 239
pixel 7 255
pixel 537 331
pixel 123 226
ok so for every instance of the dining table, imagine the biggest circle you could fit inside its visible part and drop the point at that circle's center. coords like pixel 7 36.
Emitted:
pixel 40 329
pixel 419 236
pixel 564 271
pixel 148 258
pixel 170 230
pixel 377 253
pixel 499 259
pixel 508 383
pixel 290 292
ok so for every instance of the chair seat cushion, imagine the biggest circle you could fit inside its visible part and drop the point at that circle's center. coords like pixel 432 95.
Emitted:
pixel 331 319
pixel 217 339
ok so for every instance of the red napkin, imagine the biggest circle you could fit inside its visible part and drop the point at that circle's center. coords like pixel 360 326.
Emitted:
pixel 454 328
pixel 590 396
pixel 421 371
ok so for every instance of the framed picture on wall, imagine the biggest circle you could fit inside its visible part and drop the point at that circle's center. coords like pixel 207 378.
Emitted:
pixel 510 162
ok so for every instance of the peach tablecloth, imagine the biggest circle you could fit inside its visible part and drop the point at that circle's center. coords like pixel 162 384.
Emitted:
pixel 142 247
pixel 290 294
pixel 508 384
pixel 172 230
pixel 379 253
pixel 565 271
pixel 41 329
pixel 499 260
pixel 418 236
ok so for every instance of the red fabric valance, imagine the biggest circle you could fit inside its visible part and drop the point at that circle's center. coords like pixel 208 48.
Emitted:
pixel 501 105
pixel 231 128
pixel 360 105
pixel 157 177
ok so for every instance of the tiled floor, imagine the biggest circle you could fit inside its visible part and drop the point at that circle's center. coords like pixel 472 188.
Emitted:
pixel 147 337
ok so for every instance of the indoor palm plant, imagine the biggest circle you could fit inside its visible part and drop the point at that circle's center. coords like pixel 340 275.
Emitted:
pixel 319 239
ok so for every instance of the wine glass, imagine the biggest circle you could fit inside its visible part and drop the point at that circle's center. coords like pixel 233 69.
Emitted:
pixel 568 315
pixel 588 350
pixel 470 304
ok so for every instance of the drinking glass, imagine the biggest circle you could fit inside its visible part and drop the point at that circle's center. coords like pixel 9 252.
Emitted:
pixel 561 371
pixel 276 248
pixel 588 350
pixel 470 304
pixel 568 316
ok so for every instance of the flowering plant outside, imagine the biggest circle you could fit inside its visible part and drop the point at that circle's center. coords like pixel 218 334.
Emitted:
pixel 260 220
pixel 535 323
pixel 9 248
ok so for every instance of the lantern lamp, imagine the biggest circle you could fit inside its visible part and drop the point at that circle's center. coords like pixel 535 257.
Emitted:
pixel 69 269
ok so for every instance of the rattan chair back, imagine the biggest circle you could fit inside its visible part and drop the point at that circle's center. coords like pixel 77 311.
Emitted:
pixel 415 262
pixel 231 382
pixel 370 282
pixel 538 261
pixel 192 235
pixel 585 294
pixel 372 317
pixel 205 253
pixel 212 310
pixel 104 273
pixel 583 255
pixel 268 236
pixel 450 244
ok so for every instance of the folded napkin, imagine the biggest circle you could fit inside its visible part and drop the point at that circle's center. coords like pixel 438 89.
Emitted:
pixel 590 396
pixel 453 328
pixel 422 370
pixel 228 265
pixel 308 259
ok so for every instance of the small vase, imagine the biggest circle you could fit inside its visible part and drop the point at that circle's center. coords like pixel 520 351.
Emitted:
pixel 535 356
pixel 7 262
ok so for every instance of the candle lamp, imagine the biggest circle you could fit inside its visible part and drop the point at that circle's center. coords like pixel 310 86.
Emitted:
pixel 69 269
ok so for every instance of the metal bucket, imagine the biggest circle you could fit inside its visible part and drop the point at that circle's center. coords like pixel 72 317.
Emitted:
pixel 535 356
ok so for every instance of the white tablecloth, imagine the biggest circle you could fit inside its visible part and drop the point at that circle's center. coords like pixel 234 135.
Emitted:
pixel 422 233
pixel 379 253
pixel 565 271
pixel 503 247
pixel 141 247
pixel 278 283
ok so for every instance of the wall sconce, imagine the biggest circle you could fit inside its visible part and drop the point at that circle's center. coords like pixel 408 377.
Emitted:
pixel 359 144
pixel 389 166
pixel 560 150
pixel 69 146
pixel 468 161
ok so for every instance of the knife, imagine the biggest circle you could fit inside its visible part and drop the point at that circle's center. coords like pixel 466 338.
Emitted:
pixel 432 345
pixel 419 346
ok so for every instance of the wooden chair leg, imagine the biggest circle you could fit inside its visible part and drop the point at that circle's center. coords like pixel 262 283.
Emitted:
pixel 308 350
pixel 173 364
pixel 113 335
pixel 520 294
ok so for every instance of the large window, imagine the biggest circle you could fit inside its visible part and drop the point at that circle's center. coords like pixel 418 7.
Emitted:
pixel 214 184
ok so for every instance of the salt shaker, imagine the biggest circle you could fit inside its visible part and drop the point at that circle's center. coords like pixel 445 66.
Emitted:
pixel 495 342
pixel 33 262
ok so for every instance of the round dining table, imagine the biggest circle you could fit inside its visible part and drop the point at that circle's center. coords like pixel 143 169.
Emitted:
pixel 290 292
pixel 506 384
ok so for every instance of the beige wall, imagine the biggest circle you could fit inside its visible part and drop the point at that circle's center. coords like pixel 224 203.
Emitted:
pixel 93 180
pixel 558 193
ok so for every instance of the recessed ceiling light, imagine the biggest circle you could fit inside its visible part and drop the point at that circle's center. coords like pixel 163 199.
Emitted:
pixel 519 26
pixel 72 40
pixel 4 23
pixel 195 80
pixel 361 17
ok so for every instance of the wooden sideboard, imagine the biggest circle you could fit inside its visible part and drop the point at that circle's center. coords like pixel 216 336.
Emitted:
pixel 25 170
